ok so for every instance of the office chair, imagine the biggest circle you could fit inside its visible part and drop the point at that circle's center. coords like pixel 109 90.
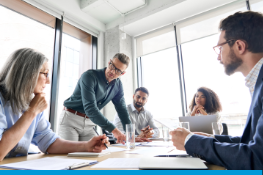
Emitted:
pixel 112 139
pixel 225 129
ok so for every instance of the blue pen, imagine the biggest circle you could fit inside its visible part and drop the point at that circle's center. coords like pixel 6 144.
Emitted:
pixel 98 134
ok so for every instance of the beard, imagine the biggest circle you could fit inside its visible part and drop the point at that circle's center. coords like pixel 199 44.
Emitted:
pixel 137 104
pixel 235 62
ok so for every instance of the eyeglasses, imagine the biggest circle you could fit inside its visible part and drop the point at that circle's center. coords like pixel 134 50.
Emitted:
pixel 46 74
pixel 218 48
pixel 112 67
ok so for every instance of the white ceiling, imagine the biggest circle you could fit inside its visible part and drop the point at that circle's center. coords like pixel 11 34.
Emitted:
pixel 171 15
pixel 109 10
pixel 101 16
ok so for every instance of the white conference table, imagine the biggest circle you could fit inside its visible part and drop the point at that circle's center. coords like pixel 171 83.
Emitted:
pixel 121 154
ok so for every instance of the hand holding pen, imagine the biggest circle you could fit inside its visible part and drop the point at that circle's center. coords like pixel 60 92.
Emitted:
pixel 101 139
pixel 146 132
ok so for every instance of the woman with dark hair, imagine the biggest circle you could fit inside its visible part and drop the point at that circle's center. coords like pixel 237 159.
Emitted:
pixel 205 102
pixel 22 102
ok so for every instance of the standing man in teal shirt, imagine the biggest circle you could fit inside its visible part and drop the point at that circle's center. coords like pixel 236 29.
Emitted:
pixel 94 90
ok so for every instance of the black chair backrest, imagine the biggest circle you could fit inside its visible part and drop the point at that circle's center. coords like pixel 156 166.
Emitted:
pixel 225 129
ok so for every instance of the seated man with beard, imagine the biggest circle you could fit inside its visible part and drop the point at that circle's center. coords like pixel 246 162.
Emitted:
pixel 143 119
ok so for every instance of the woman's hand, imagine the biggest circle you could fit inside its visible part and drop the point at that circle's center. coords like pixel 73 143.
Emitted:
pixel 96 144
pixel 38 104
pixel 196 109
pixel 202 111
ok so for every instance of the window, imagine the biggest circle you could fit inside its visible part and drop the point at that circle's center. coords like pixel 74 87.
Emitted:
pixel 201 68
pixel 256 5
pixel 35 30
pixel 75 59
pixel 197 36
pixel 154 41
pixel 160 77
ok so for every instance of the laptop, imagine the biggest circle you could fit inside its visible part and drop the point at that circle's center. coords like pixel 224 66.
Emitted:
pixel 169 163
pixel 201 123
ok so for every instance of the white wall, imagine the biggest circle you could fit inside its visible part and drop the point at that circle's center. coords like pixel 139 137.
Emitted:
pixel 114 44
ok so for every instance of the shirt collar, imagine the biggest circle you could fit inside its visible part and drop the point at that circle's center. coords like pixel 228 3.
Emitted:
pixel 102 71
pixel 252 77
pixel 134 109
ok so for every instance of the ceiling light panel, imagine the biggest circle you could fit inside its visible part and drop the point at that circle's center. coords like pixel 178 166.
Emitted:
pixel 100 10
pixel 125 6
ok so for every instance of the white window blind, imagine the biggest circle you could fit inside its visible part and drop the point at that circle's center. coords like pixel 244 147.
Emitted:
pixel 58 14
pixel 207 23
pixel 256 5
pixel 50 11
pixel 155 41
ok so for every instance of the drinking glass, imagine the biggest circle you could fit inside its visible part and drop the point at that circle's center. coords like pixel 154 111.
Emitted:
pixel 130 136
pixel 185 125
pixel 166 134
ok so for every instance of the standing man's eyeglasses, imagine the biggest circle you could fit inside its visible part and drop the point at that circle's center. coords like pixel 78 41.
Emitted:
pixel 112 67
pixel 46 74
pixel 217 48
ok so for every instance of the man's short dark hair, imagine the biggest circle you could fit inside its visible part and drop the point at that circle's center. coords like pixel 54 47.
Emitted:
pixel 246 26
pixel 143 89
pixel 122 58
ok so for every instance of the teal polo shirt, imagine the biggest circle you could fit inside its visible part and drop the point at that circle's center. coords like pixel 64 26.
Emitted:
pixel 93 92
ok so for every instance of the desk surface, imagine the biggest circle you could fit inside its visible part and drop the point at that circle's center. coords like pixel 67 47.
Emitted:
pixel 121 154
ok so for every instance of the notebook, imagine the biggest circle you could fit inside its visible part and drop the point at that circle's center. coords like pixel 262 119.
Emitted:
pixel 50 163
pixel 88 154
pixel 155 163
pixel 202 123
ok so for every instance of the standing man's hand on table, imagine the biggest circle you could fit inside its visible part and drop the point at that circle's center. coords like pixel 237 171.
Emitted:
pixel 121 138
pixel 178 137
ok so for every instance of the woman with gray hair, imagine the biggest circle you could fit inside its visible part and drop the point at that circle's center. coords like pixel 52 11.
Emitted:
pixel 22 102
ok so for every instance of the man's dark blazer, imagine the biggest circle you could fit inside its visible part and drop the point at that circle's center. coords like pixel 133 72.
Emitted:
pixel 245 152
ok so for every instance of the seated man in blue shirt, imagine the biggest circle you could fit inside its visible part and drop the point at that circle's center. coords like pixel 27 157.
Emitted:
pixel 143 119
pixel 239 49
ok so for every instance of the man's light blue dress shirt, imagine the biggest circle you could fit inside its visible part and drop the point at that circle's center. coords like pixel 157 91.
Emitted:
pixel 38 133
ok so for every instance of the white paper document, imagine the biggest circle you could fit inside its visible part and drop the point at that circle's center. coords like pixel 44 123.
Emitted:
pixel 93 154
pixel 120 163
pixel 115 149
pixel 157 144
pixel 49 163
pixel 88 154
pixel 152 150
pixel 120 144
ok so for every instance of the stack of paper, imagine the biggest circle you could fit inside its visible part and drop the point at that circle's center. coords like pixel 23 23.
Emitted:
pixel 88 154
pixel 92 154
pixel 151 151
pixel 49 163
pixel 157 144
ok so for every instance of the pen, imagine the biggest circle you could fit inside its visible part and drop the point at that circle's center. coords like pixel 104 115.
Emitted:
pixel 98 134
pixel 146 128
pixel 172 156
pixel 74 166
